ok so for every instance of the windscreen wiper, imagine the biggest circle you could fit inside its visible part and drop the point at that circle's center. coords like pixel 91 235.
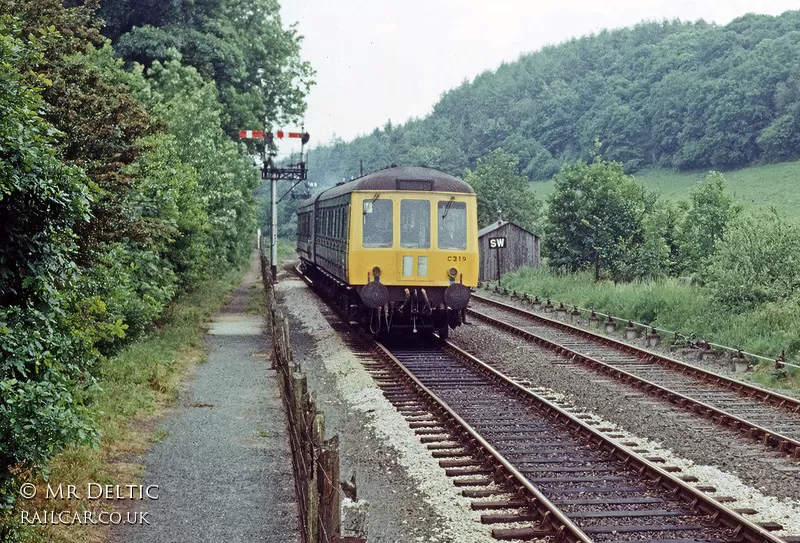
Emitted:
pixel 447 207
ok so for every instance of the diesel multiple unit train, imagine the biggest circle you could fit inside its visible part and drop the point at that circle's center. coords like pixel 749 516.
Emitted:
pixel 396 249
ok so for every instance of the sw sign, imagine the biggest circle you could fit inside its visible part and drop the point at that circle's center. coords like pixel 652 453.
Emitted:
pixel 497 243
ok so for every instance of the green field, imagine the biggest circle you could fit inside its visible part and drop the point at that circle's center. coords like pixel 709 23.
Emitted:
pixel 775 185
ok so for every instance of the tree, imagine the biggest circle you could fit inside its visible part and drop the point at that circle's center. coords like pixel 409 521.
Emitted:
pixel 668 94
pixel 595 218
pixel 501 191
pixel 710 211
pixel 99 119
pixel 758 261
pixel 188 106
pixel 241 45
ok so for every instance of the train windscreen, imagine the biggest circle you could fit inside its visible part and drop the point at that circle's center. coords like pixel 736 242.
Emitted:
pixel 378 224
pixel 415 224
pixel 452 218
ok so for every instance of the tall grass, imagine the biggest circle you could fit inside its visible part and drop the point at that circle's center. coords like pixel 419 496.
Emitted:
pixel 672 304
pixel 286 248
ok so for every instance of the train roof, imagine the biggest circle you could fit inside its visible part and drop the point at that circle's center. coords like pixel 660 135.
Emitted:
pixel 394 178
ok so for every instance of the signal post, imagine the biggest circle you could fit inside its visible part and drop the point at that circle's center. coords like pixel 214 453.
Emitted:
pixel 497 244
pixel 293 172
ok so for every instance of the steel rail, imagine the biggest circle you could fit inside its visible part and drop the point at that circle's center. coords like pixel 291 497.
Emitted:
pixel 778 360
pixel 561 525
pixel 657 475
pixel 754 431
pixel 776 398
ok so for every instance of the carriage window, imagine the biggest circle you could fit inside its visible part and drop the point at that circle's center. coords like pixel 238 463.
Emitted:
pixel 378 223
pixel 415 224
pixel 452 218
pixel 336 223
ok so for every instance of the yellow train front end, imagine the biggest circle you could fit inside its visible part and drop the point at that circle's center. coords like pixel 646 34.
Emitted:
pixel 412 256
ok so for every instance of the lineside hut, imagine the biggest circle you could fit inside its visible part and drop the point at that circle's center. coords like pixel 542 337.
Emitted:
pixel 516 246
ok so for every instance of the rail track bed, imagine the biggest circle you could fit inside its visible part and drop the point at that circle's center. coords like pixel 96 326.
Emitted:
pixel 536 471
pixel 769 417
pixel 563 477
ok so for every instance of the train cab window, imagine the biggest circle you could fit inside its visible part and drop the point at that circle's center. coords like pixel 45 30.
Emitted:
pixel 452 217
pixel 378 224
pixel 415 224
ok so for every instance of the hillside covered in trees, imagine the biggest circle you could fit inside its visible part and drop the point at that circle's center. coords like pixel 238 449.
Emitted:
pixel 668 94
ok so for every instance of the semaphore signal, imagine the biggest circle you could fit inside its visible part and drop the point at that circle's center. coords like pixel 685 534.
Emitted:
pixel 251 134
pixel 269 136
pixel 293 172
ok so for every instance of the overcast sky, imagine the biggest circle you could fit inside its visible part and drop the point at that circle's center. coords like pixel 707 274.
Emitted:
pixel 378 60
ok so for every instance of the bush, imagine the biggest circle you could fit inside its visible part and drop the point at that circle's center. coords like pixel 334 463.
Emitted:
pixel 44 362
pixel 757 262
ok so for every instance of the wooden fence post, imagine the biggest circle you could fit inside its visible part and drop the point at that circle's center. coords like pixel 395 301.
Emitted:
pixel 328 486
pixel 315 459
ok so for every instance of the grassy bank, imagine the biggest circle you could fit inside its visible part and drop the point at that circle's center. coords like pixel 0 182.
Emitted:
pixel 286 249
pixel 759 186
pixel 136 389
pixel 675 305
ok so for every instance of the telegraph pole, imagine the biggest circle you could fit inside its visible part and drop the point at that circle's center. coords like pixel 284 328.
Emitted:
pixel 293 172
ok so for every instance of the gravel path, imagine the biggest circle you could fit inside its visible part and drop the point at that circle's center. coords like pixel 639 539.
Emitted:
pixel 224 467
pixel 411 499
pixel 690 437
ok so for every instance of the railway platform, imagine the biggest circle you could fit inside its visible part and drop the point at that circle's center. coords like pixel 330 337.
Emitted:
pixel 223 467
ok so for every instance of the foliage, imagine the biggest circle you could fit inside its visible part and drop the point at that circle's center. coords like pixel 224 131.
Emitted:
pixel 241 45
pixel 595 220
pixel 710 210
pixel 757 262
pixel 769 185
pixel 670 94
pixel 189 108
pixel 98 118
pixel 501 191
pixel 672 304
pixel 118 190
pixel 42 359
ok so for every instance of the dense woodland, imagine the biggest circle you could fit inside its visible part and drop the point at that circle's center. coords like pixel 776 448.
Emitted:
pixel 688 95
pixel 120 187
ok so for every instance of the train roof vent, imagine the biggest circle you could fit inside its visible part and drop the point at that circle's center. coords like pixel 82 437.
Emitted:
pixel 415 184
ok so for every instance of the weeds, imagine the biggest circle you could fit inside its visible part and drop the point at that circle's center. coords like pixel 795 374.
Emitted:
pixel 136 388
pixel 675 304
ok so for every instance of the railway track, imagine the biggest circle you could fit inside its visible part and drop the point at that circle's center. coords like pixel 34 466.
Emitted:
pixel 565 479
pixel 538 470
pixel 760 414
